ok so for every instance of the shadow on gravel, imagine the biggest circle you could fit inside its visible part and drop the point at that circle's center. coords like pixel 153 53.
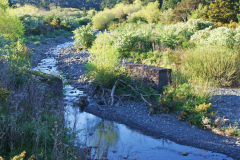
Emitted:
pixel 227 106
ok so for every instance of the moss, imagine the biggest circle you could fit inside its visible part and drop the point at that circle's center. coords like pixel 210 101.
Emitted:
pixel 4 94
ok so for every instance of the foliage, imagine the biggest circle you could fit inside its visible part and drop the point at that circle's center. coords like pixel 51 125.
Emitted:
pixel 33 25
pixel 150 12
pixel 223 10
pixel 41 21
pixel 84 36
pixel 167 16
pixel 219 36
pixel 200 12
pixel 10 26
pixel 215 64
pixel 84 21
pixel 4 4
pixel 186 102
pixel 133 39
pixel 173 35
pixel 121 10
pixel 4 94
pixel 184 9
pixel 102 19
pixel 26 130
pixel 169 4
pixel 103 67
pixel 136 19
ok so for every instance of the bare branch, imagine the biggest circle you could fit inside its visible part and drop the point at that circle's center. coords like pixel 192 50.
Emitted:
pixel 112 92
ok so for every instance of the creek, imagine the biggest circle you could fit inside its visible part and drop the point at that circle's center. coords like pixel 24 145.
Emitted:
pixel 110 140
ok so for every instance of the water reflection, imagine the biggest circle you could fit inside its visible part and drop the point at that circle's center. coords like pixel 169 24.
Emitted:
pixel 105 136
pixel 109 140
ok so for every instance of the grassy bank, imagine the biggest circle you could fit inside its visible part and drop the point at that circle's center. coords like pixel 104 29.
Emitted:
pixel 31 110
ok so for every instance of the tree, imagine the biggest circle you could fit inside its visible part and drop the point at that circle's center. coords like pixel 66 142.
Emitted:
pixel 223 11
pixel 128 1
pixel 167 4
pixel 184 9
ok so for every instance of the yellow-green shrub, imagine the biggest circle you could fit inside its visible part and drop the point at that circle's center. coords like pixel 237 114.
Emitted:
pixel 150 12
pixel 84 36
pixel 166 17
pixel 102 19
pixel 103 67
pixel 4 4
pixel 125 9
pixel 10 26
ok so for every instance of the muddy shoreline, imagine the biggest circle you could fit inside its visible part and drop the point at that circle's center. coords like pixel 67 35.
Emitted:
pixel 135 114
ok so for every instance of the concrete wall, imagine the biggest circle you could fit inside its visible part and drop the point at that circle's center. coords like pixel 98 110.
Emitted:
pixel 156 77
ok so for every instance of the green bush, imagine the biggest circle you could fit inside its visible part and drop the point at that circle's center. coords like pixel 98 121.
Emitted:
pixel 186 102
pixel 120 10
pixel 215 64
pixel 166 16
pixel 84 36
pixel 104 64
pixel 4 94
pixel 222 36
pixel 150 12
pixel 84 21
pixel 137 19
pixel 10 26
pixel 133 39
pixel 4 4
pixel 42 21
pixel 34 25
pixel 102 19
pixel 223 11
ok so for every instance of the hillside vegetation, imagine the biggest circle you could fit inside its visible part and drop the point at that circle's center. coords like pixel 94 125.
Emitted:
pixel 199 40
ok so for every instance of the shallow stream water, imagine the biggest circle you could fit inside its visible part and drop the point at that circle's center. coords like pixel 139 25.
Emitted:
pixel 110 140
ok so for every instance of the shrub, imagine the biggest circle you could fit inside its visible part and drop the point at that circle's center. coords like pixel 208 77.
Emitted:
pixel 10 26
pixel 169 4
pixel 38 20
pixel 184 9
pixel 150 12
pixel 219 36
pixel 186 102
pixel 4 4
pixel 33 25
pixel 137 19
pixel 166 16
pixel 200 12
pixel 4 94
pixel 103 67
pixel 223 11
pixel 84 36
pixel 102 19
pixel 84 21
pixel 237 36
pixel 215 64
pixel 133 39
pixel 120 10
pixel 69 24
pixel 176 34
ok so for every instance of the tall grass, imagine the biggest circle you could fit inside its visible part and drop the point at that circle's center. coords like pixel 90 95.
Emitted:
pixel 215 64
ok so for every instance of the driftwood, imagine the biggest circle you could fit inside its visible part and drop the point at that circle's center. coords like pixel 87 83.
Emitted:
pixel 112 92
pixel 108 95
pixel 136 91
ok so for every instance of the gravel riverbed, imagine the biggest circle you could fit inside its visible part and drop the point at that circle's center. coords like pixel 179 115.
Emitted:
pixel 136 115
